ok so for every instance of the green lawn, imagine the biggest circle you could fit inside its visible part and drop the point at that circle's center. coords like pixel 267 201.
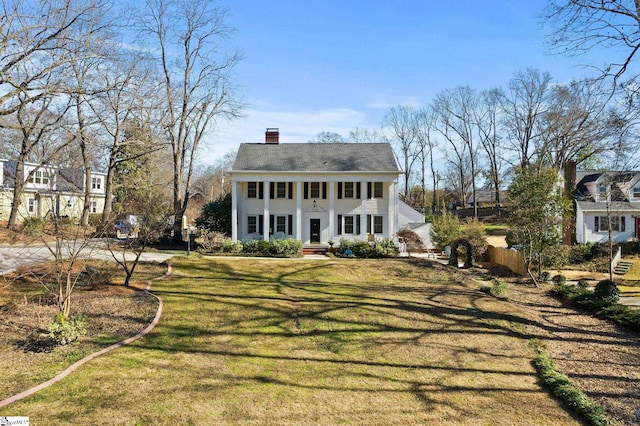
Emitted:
pixel 262 341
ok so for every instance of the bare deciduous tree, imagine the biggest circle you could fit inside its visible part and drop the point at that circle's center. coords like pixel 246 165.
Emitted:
pixel 400 125
pixel 197 81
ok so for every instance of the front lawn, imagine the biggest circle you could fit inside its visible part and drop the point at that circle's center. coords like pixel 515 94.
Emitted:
pixel 264 341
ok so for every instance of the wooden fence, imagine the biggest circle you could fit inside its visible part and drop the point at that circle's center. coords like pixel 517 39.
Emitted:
pixel 512 259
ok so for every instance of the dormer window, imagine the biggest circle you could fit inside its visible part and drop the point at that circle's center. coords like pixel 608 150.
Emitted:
pixel 635 193
pixel 96 183
pixel 602 192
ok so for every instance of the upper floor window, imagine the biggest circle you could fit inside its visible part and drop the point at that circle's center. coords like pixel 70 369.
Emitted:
pixel 96 183
pixel 348 190
pixel 635 193
pixel 281 190
pixel 252 190
pixel 315 189
pixel 40 176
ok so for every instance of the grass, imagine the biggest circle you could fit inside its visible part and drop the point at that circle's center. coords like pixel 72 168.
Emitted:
pixel 245 341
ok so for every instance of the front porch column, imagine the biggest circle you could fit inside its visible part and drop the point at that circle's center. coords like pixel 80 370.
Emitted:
pixel 265 218
pixel 299 210
pixel 396 207
pixel 363 210
pixel 234 211
pixel 391 210
pixel 332 216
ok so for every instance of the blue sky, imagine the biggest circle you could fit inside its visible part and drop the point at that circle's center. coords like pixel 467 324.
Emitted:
pixel 327 65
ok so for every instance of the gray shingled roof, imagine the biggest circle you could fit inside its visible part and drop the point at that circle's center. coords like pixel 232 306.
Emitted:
pixel 315 157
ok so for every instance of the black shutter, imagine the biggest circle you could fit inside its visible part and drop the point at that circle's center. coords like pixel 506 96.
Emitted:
pixel 369 193
pixel 339 190
pixel 261 224
pixel 271 220
pixel 291 190
pixel 324 190
pixel 623 225
pixel 358 193
pixel 306 190
pixel 358 224
pixel 272 192
pixel 290 223
pixel 597 224
pixel 369 224
pixel 339 224
pixel 261 190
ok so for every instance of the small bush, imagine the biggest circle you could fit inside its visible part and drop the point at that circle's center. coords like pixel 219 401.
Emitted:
pixel 545 276
pixel 210 241
pixel 606 290
pixel 33 225
pixel 499 288
pixel 581 253
pixel 582 283
pixel 64 331
pixel 287 247
pixel 255 247
pixel 559 279
pixel 367 250
pixel 228 246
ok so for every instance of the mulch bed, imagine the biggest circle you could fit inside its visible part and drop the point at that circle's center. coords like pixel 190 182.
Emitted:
pixel 602 359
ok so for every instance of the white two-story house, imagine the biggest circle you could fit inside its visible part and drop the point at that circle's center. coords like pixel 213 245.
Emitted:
pixel 49 189
pixel 316 192
pixel 603 197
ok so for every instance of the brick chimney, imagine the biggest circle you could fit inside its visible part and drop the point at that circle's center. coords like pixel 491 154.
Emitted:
pixel 272 135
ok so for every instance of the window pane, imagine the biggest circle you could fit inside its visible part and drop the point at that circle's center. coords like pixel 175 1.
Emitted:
pixel 348 224
pixel 251 192
pixel 282 190
pixel 281 225
pixel 348 190
pixel 315 189
pixel 252 221
pixel 377 189
pixel 377 224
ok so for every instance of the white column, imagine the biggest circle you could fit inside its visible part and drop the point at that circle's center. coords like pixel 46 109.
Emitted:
pixel 396 208
pixel 234 211
pixel 363 211
pixel 332 215
pixel 265 219
pixel 299 210
pixel 391 210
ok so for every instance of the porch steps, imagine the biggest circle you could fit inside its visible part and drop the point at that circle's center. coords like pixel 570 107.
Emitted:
pixel 622 267
pixel 319 250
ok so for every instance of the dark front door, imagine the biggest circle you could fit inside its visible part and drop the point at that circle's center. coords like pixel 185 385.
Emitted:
pixel 315 230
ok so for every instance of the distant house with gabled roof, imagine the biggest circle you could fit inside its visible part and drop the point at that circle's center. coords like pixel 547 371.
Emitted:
pixel 49 189
pixel 316 192
pixel 603 197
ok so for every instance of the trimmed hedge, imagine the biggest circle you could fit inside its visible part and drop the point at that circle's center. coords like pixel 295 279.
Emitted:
pixel 367 250
pixel 603 303
pixel 568 393
pixel 287 247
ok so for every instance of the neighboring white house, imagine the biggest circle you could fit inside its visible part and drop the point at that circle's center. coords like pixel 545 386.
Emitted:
pixel 48 189
pixel 603 195
pixel 316 192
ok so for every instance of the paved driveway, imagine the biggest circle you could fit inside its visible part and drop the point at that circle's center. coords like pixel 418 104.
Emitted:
pixel 12 256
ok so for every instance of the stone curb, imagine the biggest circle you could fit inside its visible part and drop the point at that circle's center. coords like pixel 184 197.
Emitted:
pixel 88 358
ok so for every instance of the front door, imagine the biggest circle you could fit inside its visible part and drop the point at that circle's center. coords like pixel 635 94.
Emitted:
pixel 315 230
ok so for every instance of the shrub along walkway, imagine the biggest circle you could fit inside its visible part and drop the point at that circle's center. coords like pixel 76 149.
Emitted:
pixel 307 342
